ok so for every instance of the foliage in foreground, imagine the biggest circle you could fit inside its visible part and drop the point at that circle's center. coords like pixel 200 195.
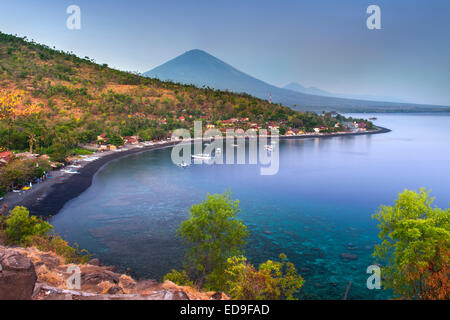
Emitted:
pixel 215 261
pixel 415 247
pixel 272 281
pixel 212 234
pixel 30 231
pixel 20 226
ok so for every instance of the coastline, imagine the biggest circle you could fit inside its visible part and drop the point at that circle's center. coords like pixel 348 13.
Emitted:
pixel 48 198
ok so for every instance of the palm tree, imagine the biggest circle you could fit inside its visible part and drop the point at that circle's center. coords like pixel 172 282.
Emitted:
pixel 31 141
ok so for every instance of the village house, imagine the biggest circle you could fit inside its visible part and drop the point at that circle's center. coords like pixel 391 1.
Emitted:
pixel 182 119
pixel 362 126
pixel 320 129
pixel 290 132
pixel 5 157
pixel 102 138
pixel 298 132
pixel 27 155
pixel 131 140
pixel 228 123
pixel 273 126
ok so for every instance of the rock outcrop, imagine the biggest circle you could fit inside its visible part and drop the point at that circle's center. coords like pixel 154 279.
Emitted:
pixel 17 275
pixel 31 274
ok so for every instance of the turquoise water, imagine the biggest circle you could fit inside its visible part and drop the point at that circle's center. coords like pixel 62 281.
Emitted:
pixel 317 207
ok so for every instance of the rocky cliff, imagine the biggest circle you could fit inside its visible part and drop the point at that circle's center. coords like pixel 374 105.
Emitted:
pixel 27 273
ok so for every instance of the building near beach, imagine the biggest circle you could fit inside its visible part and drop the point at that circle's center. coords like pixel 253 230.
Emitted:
pixel 5 157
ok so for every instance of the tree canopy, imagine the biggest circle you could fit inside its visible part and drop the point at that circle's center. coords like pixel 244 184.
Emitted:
pixel 213 233
pixel 415 247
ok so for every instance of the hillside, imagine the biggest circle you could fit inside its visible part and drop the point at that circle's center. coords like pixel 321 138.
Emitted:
pixel 199 68
pixel 61 101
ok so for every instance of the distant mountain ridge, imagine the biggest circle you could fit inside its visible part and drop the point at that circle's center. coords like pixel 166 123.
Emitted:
pixel 294 86
pixel 199 68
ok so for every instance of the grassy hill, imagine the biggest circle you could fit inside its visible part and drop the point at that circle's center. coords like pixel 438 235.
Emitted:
pixel 77 100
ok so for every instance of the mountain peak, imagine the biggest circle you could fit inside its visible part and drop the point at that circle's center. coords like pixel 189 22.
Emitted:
pixel 197 52
pixel 199 68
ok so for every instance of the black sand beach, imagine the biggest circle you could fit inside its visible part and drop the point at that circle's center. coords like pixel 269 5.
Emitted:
pixel 48 198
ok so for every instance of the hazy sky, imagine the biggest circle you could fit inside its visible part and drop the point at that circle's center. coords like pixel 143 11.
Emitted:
pixel 322 43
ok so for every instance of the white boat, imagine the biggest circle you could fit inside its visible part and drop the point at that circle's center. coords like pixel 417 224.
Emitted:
pixel 90 159
pixel 70 171
pixel 184 165
pixel 268 148
pixel 74 166
pixel 202 156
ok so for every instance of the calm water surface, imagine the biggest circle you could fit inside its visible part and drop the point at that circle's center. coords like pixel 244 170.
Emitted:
pixel 317 207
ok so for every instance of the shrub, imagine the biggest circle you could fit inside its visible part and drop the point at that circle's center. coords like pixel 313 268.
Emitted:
pixel 179 278
pixel 56 244
pixel 21 229
pixel 20 226
pixel 272 281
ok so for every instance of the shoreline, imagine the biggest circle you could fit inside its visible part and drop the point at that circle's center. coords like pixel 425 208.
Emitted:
pixel 47 199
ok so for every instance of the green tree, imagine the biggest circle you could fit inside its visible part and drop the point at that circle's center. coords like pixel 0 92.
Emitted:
pixel 415 247
pixel 213 234
pixel 20 226
pixel 272 281
pixel 115 139
pixel 58 152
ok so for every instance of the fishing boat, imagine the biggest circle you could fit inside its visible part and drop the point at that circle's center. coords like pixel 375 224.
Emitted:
pixel 90 159
pixel 70 171
pixel 269 148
